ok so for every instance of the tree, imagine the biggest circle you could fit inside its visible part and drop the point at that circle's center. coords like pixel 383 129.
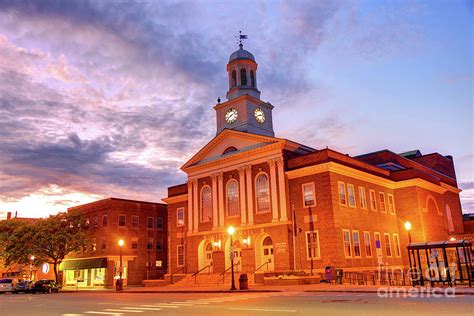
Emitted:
pixel 57 236
pixel 15 241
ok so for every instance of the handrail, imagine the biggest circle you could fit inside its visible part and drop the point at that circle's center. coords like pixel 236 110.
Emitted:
pixel 176 271
pixel 206 267
pixel 225 271
pixel 265 263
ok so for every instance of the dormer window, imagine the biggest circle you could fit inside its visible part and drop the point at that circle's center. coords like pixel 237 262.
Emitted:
pixel 229 150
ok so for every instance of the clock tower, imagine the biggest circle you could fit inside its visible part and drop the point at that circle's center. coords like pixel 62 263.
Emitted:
pixel 243 110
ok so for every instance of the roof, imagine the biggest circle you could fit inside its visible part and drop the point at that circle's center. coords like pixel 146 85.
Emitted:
pixel 241 54
pixel 115 199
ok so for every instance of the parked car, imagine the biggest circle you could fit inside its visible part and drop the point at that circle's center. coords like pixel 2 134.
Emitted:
pixel 22 286
pixel 7 285
pixel 45 286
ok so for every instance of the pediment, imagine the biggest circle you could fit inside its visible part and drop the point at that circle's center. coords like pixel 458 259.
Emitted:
pixel 219 146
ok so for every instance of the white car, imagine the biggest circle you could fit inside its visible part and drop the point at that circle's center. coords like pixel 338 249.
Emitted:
pixel 7 285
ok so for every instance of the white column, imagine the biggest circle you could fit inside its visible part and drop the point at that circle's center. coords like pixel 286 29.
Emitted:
pixel 190 206
pixel 196 205
pixel 220 185
pixel 242 193
pixel 273 190
pixel 248 173
pixel 215 206
pixel 282 189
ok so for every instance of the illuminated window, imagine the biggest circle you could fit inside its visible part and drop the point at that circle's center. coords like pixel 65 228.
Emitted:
pixel 232 190
pixel 262 188
pixel 206 204
pixel 342 193
pixel 346 235
pixel 388 245
pixel 382 202
pixel 396 244
pixel 351 194
pixel 362 198
pixel 367 244
pixel 243 77
pixel 309 198
pixel 391 204
pixel 373 200
pixel 312 245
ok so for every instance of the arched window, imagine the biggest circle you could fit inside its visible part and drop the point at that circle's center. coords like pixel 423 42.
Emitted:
pixel 232 193
pixel 243 77
pixel 229 150
pixel 262 189
pixel 206 204
pixel 449 217
pixel 268 241
pixel 234 78
pixel 252 78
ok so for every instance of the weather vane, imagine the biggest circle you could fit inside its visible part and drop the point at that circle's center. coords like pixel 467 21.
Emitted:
pixel 241 38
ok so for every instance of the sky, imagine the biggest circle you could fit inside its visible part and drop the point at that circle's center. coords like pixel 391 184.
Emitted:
pixel 110 98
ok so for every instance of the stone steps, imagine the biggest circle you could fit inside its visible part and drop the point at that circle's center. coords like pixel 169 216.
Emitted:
pixel 207 280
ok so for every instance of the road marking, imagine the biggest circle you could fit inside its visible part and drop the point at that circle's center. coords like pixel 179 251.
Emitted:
pixel 71 314
pixel 122 311
pixel 104 313
pixel 265 310
pixel 161 305
pixel 181 304
pixel 201 303
pixel 143 308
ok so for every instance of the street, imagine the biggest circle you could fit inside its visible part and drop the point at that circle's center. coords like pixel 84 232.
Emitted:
pixel 280 303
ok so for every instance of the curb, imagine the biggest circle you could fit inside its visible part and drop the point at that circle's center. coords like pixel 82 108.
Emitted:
pixel 457 292
pixel 170 292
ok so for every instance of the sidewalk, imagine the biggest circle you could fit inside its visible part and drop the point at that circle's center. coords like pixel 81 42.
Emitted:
pixel 346 288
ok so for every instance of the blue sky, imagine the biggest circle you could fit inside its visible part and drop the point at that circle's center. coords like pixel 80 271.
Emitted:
pixel 105 98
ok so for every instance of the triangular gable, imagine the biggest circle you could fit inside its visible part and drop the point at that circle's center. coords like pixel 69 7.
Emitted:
pixel 242 141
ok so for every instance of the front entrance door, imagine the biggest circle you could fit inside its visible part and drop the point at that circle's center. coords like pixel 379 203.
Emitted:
pixel 267 255
pixel 208 255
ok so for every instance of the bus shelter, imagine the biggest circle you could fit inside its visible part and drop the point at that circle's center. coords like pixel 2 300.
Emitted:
pixel 447 262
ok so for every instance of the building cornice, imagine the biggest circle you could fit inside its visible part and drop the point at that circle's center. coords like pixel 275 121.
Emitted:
pixel 175 199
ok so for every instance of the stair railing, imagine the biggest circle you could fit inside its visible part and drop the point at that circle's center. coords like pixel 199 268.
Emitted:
pixel 261 266
pixel 208 267
pixel 226 270
pixel 183 269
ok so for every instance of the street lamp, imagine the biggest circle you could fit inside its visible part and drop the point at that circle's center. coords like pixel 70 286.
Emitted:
pixel 408 228
pixel 119 285
pixel 32 258
pixel 231 231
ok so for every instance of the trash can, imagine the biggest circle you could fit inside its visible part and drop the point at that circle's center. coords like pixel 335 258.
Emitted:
pixel 243 282
pixel 119 285
pixel 329 274
pixel 339 275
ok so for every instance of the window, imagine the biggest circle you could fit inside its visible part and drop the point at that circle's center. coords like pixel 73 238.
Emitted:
pixel 134 243
pixel 180 216
pixel 159 223
pixel 362 198
pixel 309 198
pixel 356 243
pixel 342 193
pixel 122 220
pixel 104 243
pixel 346 235
pixel 104 220
pixel 94 245
pixel 234 78
pixel 135 221
pixel 367 244
pixel 449 217
pixel 378 241
pixel 232 198
pixel 95 222
pixel 159 245
pixel 252 78
pixel 243 77
pixel 149 244
pixel 312 245
pixel 262 188
pixel 391 204
pixel 382 202
pixel 388 245
pixel 149 222
pixel 396 244
pixel 206 204
pixel 351 194
pixel 373 200
pixel 180 255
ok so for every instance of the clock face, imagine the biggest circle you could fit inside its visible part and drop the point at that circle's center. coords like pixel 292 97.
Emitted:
pixel 231 116
pixel 259 115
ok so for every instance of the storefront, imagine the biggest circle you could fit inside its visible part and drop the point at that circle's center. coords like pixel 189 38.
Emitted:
pixel 85 272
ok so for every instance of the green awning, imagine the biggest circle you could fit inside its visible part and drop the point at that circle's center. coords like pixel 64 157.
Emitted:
pixel 83 264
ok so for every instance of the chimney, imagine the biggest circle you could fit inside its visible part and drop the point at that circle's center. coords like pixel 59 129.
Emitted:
pixel 16 214
pixel 9 215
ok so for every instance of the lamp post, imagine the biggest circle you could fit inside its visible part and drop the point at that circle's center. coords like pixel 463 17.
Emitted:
pixel 32 258
pixel 231 231
pixel 119 285
pixel 408 228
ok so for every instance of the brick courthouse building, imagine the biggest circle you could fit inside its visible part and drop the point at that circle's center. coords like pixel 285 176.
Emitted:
pixel 299 208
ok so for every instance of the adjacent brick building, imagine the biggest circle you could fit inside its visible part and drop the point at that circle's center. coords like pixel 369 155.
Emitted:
pixel 142 226
pixel 299 208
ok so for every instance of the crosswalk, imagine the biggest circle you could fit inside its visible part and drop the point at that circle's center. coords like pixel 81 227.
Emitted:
pixel 130 309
